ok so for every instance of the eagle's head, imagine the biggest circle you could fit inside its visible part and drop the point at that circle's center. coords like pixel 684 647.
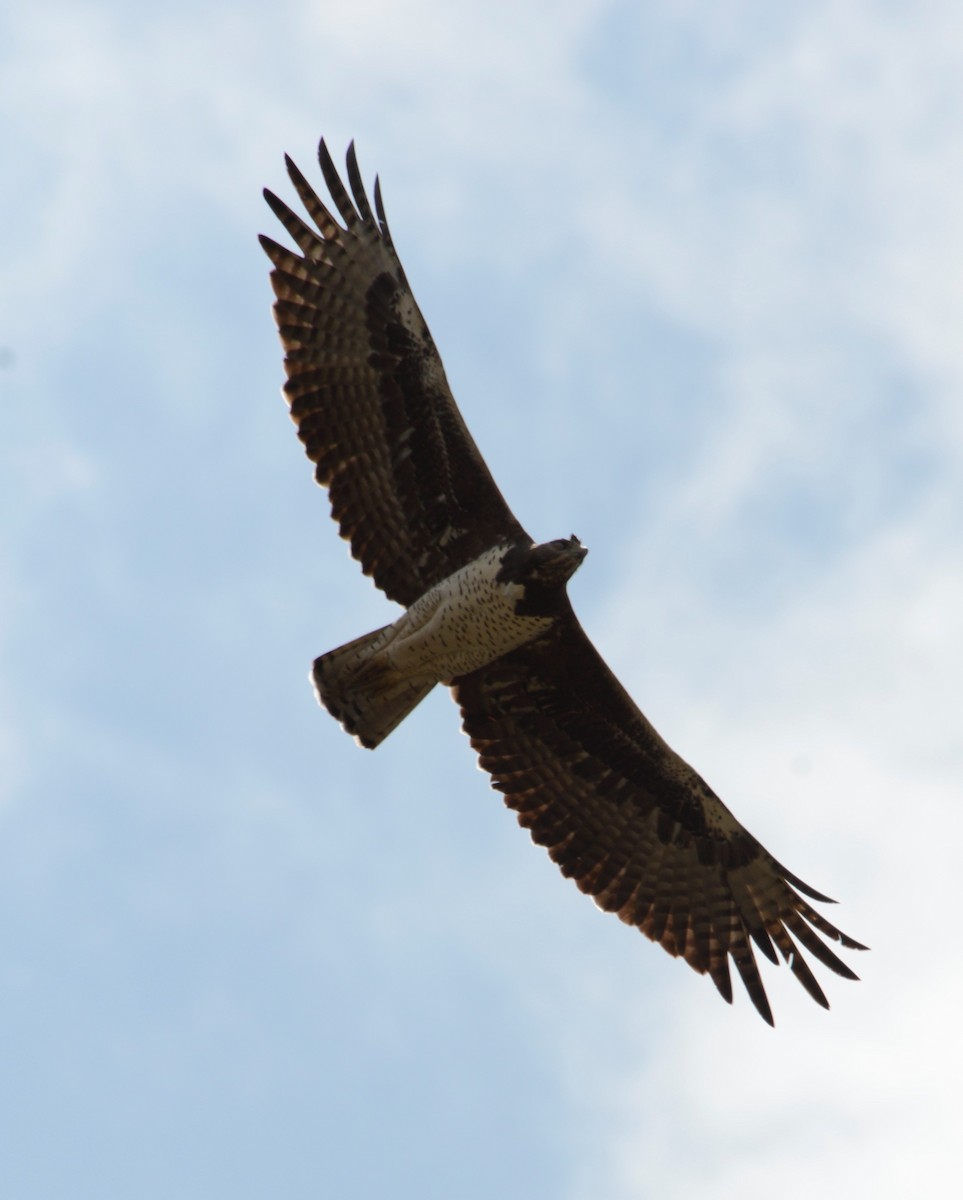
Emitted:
pixel 553 564
pixel 538 574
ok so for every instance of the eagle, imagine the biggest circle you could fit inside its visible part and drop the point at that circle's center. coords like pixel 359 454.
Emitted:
pixel 486 613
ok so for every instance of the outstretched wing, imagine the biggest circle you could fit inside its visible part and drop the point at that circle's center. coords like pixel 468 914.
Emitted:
pixel 631 822
pixel 368 393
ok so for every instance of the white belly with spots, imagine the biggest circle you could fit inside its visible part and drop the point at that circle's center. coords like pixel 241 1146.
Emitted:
pixel 461 624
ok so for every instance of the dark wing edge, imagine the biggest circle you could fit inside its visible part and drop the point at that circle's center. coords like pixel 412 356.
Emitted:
pixel 368 393
pixel 633 825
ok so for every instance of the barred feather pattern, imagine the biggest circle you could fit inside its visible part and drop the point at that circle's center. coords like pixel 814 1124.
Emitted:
pixel 368 393
pixel 632 823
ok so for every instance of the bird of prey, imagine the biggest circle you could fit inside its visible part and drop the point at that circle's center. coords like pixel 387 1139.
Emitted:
pixel 487 614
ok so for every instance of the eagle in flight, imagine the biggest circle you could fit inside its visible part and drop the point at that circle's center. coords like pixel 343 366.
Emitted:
pixel 487 614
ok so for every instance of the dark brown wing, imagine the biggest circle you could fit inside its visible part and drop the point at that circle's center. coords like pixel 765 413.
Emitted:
pixel 368 393
pixel 631 822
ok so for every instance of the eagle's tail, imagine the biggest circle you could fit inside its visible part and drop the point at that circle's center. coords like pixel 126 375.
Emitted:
pixel 368 697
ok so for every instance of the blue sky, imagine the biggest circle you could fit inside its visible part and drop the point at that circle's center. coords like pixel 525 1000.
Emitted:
pixel 695 274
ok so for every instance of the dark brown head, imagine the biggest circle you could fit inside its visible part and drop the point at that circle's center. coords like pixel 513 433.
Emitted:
pixel 554 563
pixel 542 572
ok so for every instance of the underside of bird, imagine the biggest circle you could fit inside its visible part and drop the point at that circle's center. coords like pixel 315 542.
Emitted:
pixel 486 611
pixel 502 600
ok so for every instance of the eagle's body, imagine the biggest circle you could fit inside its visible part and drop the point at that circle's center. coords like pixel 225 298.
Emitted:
pixel 486 612
pixel 493 605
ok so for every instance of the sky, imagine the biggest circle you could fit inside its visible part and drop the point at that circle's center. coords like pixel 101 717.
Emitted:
pixel 695 273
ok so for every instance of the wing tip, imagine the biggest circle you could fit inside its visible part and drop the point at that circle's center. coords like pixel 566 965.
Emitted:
pixel 325 160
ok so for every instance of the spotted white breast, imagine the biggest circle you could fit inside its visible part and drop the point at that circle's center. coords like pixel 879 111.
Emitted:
pixel 461 624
